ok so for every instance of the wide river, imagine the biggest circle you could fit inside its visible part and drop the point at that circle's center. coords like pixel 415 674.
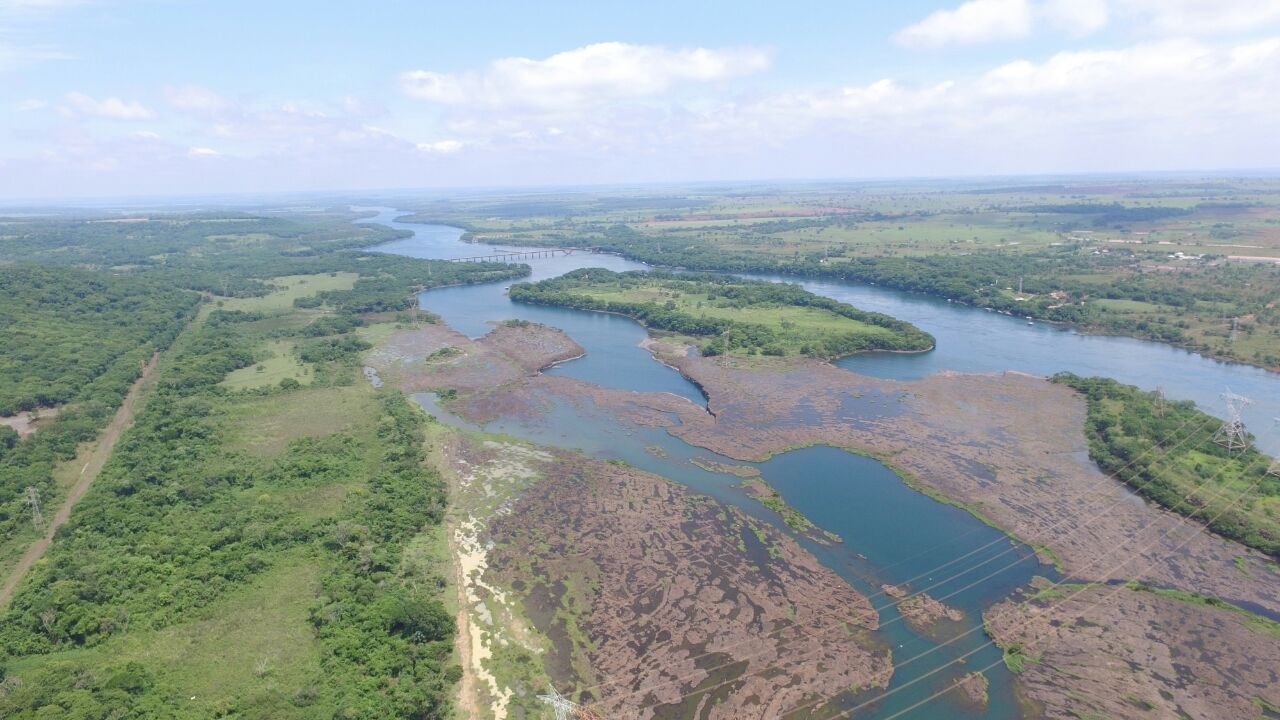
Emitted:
pixel 890 533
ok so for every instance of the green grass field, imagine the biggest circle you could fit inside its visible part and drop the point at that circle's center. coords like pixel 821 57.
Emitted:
pixel 290 288
pixel 720 314
pixel 255 647
pixel 796 325
pixel 279 362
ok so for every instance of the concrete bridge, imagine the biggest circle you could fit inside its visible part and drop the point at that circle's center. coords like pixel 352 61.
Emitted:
pixel 509 257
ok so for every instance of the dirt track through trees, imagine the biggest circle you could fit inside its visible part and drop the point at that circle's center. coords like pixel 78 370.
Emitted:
pixel 101 452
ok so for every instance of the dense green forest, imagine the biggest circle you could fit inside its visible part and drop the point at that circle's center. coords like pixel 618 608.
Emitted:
pixel 62 328
pixel 982 279
pixel 1166 451
pixel 236 255
pixel 120 569
pixel 290 516
pixel 74 340
pixel 728 314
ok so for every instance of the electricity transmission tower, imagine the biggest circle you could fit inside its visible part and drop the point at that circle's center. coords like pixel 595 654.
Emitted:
pixel 33 500
pixel 567 709
pixel 1232 435
pixel 1160 398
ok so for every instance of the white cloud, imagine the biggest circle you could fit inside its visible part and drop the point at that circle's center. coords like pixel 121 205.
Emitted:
pixel 594 73
pixel 30 105
pixel 196 100
pixel 1076 17
pixel 113 108
pixel 976 21
pixel 980 21
pixel 1201 17
pixel 202 152
pixel 1159 105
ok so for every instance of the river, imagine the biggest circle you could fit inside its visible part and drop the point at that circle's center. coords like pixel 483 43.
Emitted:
pixel 891 534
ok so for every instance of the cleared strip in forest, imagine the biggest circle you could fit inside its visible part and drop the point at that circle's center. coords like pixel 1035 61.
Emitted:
pixel 106 443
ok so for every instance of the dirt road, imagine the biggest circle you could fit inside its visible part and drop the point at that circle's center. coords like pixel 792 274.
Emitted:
pixel 105 445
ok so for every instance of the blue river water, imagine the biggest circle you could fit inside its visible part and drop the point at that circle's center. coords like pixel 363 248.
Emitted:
pixel 891 534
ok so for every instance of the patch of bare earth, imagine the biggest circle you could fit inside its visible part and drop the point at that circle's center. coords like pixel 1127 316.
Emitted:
pixel 436 357
pixel 1117 653
pixel 484 480
pixel 923 613
pixel 971 690
pixel 28 422
pixel 663 603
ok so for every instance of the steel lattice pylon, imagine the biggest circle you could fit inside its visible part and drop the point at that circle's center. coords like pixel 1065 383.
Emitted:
pixel 1232 434
pixel 567 709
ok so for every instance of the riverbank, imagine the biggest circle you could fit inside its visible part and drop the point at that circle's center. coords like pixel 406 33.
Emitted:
pixel 629 591
pixel 1102 306
pixel 1009 448
pixel 1007 423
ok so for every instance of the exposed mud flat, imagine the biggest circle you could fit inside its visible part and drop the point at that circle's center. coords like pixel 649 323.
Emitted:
pixel 436 357
pixel 532 346
pixel 1117 653
pixel 972 690
pixel 1010 447
pixel 631 589
pixel 924 613
pixel 663 603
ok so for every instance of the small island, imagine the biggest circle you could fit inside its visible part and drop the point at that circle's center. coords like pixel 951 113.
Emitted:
pixel 721 314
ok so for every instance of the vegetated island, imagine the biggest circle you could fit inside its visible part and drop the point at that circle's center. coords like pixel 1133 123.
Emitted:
pixel 1166 450
pixel 1172 260
pixel 722 314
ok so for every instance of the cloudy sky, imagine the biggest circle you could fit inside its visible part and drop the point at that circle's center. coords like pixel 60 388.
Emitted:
pixel 144 97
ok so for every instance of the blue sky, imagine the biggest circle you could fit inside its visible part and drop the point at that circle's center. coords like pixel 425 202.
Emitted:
pixel 141 97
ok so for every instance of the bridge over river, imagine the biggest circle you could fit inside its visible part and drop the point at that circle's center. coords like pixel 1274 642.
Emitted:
pixel 507 257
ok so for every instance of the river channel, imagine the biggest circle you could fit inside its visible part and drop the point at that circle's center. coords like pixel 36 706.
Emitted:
pixel 891 534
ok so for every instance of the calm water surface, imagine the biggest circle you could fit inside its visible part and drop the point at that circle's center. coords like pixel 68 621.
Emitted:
pixel 891 534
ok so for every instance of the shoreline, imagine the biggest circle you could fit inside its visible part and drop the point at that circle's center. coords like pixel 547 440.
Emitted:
pixel 1084 329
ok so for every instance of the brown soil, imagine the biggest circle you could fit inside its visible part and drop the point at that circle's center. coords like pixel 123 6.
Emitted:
pixel 1116 653
pixel 923 613
pixel 972 689
pixel 436 357
pixel 1009 446
pixel 27 423
pixel 894 591
pixel 106 443
pixel 534 347
pixel 659 593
